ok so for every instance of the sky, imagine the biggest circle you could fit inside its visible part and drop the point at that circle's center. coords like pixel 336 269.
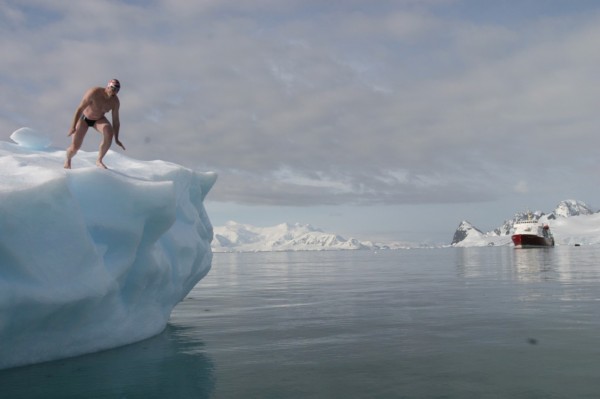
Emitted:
pixel 390 120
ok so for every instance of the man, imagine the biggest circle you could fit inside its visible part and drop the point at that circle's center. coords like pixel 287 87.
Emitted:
pixel 95 103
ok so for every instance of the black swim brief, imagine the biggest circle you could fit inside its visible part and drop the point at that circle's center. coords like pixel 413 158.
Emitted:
pixel 90 122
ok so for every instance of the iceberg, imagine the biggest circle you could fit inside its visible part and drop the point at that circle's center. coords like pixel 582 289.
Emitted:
pixel 92 259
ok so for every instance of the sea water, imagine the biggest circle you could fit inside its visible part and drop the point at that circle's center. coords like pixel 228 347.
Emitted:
pixel 494 322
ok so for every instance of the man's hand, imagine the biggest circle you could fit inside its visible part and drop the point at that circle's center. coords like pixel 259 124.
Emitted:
pixel 71 132
pixel 120 144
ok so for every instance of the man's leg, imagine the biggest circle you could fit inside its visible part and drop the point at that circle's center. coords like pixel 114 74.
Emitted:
pixel 105 128
pixel 78 136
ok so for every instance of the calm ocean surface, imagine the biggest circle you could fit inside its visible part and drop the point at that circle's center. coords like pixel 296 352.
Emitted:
pixel 493 322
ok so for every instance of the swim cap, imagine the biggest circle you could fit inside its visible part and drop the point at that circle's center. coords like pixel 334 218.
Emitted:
pixel 114 83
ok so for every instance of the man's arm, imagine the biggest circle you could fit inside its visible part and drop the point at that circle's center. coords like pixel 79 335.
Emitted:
pixel 85 101
pixel 116 122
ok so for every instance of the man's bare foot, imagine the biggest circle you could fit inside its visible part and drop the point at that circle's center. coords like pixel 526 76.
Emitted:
pixel 68 164
pixel 101 165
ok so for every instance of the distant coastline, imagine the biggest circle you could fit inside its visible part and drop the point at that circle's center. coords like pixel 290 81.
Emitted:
pixel 572 222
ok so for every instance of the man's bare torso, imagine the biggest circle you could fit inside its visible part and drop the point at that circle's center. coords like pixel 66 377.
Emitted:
pixel 98 103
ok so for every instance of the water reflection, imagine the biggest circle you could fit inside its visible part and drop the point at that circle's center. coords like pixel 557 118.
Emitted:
pixel 529 264
pixel 170 365
pixel 536 264
pixel 484 261
pixel 562 264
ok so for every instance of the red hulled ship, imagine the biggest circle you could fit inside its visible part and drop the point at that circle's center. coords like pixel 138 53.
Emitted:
pixel 531 233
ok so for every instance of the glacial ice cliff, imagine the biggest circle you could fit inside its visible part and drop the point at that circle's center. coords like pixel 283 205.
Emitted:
pixel 92 259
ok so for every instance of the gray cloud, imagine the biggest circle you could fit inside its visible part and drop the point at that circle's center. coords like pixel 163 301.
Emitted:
pixel 300 103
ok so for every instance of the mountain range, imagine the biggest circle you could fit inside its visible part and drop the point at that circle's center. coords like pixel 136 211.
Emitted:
pixel 572 221
pixel 237 237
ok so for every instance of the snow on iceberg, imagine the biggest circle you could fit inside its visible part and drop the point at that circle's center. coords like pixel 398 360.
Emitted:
pixel 92 259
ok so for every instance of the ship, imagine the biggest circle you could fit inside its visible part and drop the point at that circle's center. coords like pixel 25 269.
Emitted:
pixel 532 233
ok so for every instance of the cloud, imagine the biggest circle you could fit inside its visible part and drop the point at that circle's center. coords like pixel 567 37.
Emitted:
pixel 304 103
pixel 521 187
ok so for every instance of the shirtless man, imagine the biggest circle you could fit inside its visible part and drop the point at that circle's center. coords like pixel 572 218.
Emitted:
pixel 95 103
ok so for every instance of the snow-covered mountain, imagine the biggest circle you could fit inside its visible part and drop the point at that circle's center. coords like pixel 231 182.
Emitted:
pixel 571 222
pixel 466 231
pixel 508 225
pixel 568 208
pixel 237 237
